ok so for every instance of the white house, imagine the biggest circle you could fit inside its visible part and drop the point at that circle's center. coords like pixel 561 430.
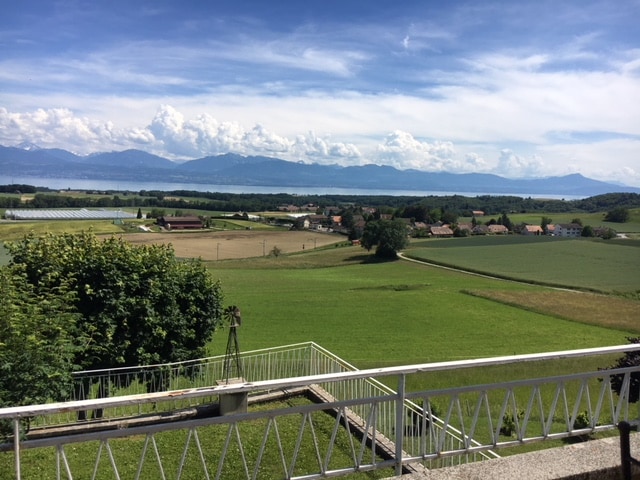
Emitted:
pixel 568 230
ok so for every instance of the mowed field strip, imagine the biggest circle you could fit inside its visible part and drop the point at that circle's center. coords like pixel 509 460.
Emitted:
pixel 603 266
pixel 233 244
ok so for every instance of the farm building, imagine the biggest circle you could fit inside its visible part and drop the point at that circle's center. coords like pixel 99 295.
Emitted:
pixel 442 232
pixel 532 230
pixel 495 229
pixel 568 230
pixel 66 214
pixel 180 223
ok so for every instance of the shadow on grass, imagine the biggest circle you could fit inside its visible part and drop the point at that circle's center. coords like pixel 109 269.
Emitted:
pixel 369 258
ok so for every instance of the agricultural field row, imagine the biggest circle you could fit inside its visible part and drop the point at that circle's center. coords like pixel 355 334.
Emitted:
pixel 589 264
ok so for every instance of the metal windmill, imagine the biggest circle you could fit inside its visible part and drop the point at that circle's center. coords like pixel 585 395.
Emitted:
pixel 232 363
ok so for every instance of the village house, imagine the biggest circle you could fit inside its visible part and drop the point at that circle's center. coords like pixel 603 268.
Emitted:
pixel 420 225
pixel 466 226
pixel 318 222
pixel 532 230
pixel 568 230
pixel 288 208
pixel 180 223
pixel 330 210
pixel 440 232
pixel 369 210
pixel 497 229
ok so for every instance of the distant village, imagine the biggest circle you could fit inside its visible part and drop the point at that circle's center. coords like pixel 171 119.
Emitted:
pixel 306 218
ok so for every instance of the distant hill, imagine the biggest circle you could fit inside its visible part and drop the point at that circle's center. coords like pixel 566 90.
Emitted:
pixel 233 169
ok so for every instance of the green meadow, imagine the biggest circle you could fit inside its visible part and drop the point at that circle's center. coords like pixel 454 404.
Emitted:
pixel 394 313
pixel 591 264
pixel 377 314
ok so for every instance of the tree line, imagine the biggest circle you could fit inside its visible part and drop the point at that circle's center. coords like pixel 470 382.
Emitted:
pixel 254 202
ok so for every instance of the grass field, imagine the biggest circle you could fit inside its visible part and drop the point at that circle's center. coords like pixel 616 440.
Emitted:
pixel 592 264
pixel 377 314
pixel 393 313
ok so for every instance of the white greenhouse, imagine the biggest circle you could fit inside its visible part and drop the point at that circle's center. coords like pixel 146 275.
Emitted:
pixel 66 214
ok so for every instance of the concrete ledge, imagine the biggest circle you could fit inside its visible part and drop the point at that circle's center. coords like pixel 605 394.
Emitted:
pixel 595 459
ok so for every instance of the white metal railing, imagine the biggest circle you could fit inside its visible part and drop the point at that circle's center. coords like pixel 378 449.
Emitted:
pixel 347 433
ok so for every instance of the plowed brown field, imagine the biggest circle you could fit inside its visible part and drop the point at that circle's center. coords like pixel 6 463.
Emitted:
pixel 235 243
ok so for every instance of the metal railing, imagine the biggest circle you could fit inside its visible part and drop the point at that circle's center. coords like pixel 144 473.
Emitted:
pixel 361 425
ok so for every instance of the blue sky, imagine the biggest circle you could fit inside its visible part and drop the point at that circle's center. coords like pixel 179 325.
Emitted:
pixel 516 88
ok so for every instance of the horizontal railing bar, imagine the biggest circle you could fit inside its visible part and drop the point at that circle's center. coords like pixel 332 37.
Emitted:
pixel 77 405
pixel 200 422
pixel 193 361
pixel 530 382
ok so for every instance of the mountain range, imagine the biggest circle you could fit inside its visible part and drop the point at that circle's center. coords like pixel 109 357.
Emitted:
pixel 232 169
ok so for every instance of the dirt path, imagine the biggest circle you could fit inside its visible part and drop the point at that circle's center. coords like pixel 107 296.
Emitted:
pixel 235 243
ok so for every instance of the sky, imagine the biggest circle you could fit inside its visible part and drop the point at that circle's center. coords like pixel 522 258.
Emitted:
pixel 521 89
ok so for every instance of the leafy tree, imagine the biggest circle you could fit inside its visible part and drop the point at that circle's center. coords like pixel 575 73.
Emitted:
pixel 156 212
pixel 506 221
pixel 545 222
pixel 348 221
pixel 587 231
pixel 449 217
pixel 136 305
pixel 618 215
pixel 36 344
pixel 630 359
pixel 577 221
pixel 461 232
pixel 388 236
pixel 139 215
pixel 606 233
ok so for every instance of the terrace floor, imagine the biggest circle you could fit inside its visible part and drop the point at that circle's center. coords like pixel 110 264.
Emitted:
pixel 591 460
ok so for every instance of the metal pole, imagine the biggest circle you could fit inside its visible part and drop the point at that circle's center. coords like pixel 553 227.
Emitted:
pixel 400 423
pixel 625 450
pixel 16 441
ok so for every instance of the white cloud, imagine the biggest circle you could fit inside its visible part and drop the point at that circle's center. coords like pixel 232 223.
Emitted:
pixel 515 166
pixel 401 150
pixel 57 127
pixel 321 150
pixel 206 136
pixel 185 133
pixel 609 160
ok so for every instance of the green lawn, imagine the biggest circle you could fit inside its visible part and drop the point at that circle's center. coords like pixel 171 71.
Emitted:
pixel 593 264
pixel 392 313
pixel 382 314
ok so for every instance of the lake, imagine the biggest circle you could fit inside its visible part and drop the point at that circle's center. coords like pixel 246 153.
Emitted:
pixel 136 186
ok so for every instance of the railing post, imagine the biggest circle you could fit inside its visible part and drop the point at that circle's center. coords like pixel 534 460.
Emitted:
pixel 400 422
pixel 625 450
pixel 16 442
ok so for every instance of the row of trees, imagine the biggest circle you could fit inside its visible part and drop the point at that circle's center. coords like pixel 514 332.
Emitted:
pixel 76 302
pixel 422 208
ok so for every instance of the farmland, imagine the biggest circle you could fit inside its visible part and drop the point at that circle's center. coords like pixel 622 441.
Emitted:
pixel 597 265
pixel 391 313
pixel 376 314
pixel 230 244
